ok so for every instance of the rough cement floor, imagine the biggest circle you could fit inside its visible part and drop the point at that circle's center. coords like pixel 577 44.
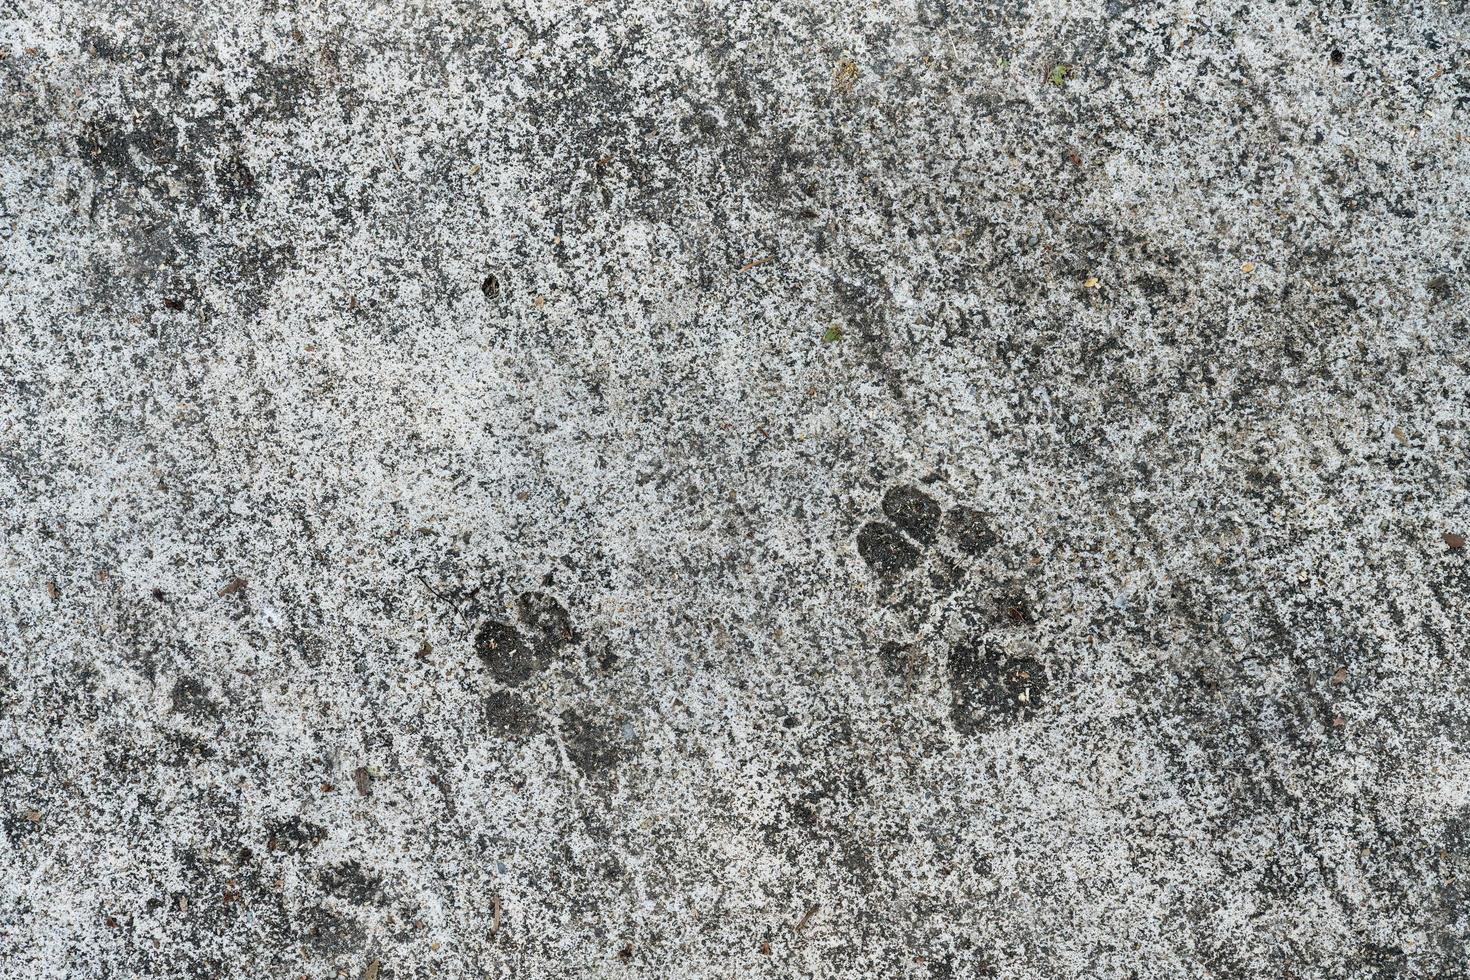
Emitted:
pixel 919 490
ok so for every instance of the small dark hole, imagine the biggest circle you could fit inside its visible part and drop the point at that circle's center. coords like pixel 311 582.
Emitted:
pixel 1336 56
pixel 490 287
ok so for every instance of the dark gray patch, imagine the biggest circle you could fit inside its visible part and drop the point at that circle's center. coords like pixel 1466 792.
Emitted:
pixel 293 835
pixel 970 531
pixel 1381 962
pixel 914 511
pixel 191 698
pixel 278 90
pixel 545 619
pixel 989 688
pixel 944 574
pixel 142 150
pixel 932 13
pixel 593 747
pixel 897 659
pixel 351 882
pixel 511 660
pixel 885 550
pixel 21 825
pixel 507 713
pixel 182 750
pixel 328 933
pixel 1011 607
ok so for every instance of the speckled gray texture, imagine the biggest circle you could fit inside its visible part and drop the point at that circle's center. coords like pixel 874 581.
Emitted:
pixel 923 490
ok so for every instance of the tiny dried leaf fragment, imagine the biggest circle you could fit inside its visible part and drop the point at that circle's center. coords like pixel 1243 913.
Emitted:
pixel 371 973
pixel 363 780
pixel 1340 675
pixel 1454 541
pixel 845 76
pixel 236 585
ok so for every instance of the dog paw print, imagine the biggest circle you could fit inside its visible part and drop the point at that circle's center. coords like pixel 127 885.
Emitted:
pixel 982 597
pixel 914 522
pixel 513 653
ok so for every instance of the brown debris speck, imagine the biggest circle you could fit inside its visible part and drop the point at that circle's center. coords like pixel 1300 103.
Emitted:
pixel 845 76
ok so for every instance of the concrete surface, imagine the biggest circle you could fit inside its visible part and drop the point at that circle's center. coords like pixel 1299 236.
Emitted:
pixel 919 489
